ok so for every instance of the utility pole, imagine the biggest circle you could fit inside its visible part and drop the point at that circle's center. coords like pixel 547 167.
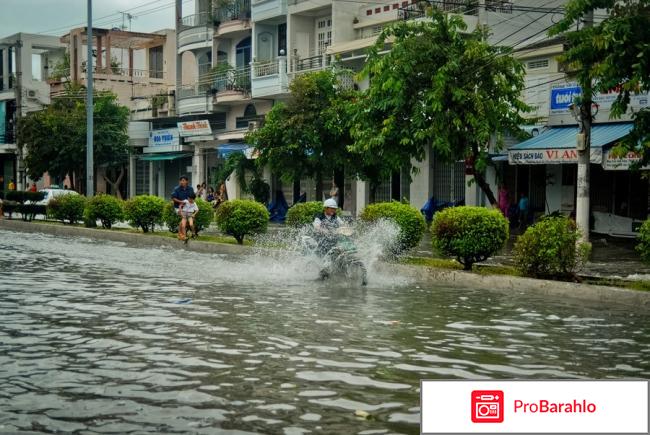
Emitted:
pixel 583 145
pixel 90 167
pixel 20 165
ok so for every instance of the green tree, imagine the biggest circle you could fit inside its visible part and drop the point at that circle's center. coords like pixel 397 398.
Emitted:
pixel 54 139
pixel 613 54
pixel 438 89
pixel 306 136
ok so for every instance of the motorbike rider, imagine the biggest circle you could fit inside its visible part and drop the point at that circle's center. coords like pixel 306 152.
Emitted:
pixel 326 226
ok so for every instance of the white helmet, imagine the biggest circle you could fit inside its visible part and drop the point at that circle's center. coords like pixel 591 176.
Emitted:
pixel 330 203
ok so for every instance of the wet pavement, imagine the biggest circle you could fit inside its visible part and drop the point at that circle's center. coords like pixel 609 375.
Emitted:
pixel 100 337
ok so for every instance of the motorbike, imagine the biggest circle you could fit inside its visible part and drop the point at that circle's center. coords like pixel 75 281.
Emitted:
pixel 338 252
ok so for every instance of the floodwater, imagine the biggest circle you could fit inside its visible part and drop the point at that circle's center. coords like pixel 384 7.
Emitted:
pixel 99 337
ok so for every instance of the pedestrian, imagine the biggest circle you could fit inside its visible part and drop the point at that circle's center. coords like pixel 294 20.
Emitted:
pixel 334 192
pixel 524 208
pixel 188 211
pixel 503 200
pixel 179 195
pixel 12 185
pixel 199 191
pixel 33 188
pixel 210 196
pixel 220 196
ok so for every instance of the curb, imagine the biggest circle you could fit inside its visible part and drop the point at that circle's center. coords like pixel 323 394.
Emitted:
pixel 131 239
pixel 604 295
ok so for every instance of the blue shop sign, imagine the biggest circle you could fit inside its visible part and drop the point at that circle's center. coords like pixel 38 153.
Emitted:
pixel 562 98
pixel 163 137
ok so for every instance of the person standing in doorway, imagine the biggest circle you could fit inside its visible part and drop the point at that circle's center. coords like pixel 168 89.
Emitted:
pixel 180 194
pixel 503 200
pixel 12 185
pixel 33 188
pixel 524 208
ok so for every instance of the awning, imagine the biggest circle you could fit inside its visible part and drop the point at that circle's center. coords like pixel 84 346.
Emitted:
pixel 226 149
pixel 158 157
pixel 558 145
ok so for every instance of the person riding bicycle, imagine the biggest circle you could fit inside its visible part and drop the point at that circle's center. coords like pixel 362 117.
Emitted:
pixel 188 211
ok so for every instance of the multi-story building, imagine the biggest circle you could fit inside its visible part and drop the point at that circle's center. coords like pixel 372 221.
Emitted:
pixel 26 62
pixel 140 69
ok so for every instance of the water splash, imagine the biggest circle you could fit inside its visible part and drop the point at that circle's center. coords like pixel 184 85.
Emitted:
pixel 281 253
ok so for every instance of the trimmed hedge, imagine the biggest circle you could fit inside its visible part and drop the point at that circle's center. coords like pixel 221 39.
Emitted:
pixel 145 212
pixel 470 234
pixel 106 208
pixel 240 217
pixel 551 249
pixel 67 208
pixel 303 213
pixel 643 248
pixel 409 220
pixel 204 217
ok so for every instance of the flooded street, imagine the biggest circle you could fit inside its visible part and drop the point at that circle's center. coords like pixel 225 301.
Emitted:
pixel 99 337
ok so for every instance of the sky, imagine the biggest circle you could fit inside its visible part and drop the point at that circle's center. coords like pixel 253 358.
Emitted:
pixel 56 17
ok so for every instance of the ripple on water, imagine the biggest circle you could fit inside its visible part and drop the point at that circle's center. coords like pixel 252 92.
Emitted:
pixel 92 340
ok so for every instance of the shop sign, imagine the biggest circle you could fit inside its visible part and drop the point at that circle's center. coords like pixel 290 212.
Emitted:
pixel 550 156
pixel 562 96
pixel 612 162
pixel 199 127
pixel 167 137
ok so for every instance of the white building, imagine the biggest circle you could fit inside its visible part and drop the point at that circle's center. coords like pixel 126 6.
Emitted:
pixel 25 64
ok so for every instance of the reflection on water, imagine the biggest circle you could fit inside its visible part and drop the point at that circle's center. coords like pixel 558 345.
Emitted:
pixel 106 338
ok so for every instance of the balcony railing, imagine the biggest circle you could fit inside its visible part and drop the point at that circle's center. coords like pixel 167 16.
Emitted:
pixel 197 20
pixel 127 72
pixel 267 68
pixel 236 10
pixel 369 32
pixel 311 63
pixel 238 80
pixel 419 9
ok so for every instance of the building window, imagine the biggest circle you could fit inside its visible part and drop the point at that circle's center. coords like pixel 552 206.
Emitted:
pixel 369 12
pixel 377 10
pixel 282 39
pixel 243 53
pixel 395 5
pixel 386 8
pixel 250 114
pixel 538 64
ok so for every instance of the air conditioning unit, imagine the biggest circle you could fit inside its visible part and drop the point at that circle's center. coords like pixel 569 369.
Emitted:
pixel 253 125
pixel 31 93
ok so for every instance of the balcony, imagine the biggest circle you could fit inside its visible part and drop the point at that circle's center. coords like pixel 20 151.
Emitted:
pixel 119 74
pixel 233 17
pixel 270 78
pixel 316 62
pixel 194 99
pixel 196 32
pixel 420 9
pixel 268 9
pixel 232 86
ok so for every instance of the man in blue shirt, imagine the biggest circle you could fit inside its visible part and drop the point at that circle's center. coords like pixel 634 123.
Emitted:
pixel 524 209
pixel 181 193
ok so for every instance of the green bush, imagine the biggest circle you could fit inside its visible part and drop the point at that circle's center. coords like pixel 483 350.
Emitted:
pixel 410 221
pixel 551 249
pixel 643 248
pixel 144 211
pixel 29 211
pixel 303 213
pixel 67 208
pixel 470 234
pixel 202 220
pixel 239 218
pixel 106 208
pixel 21 196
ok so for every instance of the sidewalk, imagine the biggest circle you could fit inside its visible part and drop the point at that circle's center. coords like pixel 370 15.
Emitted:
pixel 611 257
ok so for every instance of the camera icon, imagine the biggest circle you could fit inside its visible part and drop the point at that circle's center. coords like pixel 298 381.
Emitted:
pixel 487 406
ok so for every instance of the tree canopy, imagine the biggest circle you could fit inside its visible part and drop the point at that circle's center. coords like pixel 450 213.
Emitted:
pixel 437 88
pixel 54 140
pixel 613 54
pixel 306 136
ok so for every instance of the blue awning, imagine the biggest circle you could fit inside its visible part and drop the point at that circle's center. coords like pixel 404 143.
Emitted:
pixel 228 148
pixel 158 157
pixel 558 144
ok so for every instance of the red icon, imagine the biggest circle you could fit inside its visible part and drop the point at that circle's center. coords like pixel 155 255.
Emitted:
pixel 487 406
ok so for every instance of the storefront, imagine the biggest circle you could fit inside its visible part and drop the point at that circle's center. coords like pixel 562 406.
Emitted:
pixel 619 196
